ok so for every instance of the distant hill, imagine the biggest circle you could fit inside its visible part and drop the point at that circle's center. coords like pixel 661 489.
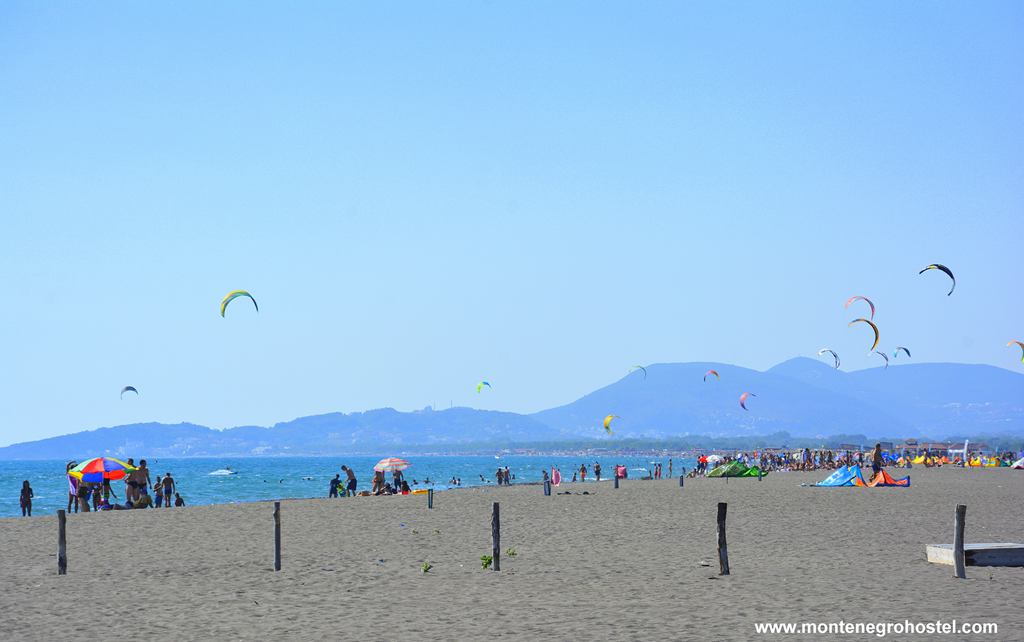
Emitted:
pixel 802 397
pixel 333 433
pixel 674 399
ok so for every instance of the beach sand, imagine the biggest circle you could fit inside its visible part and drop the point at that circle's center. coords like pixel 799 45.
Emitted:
pixel 634 563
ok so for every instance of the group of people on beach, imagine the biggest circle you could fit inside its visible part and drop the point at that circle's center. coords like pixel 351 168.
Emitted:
pixel 829 459
pixel 85 496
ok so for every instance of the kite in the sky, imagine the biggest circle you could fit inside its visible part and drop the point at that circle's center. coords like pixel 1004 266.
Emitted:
pixel 234 295
pixel 896 352
pixel 743 399
pixel 861 298
pixel 640 368
pixel 884 356
pixel 1021 348
pixel 712 372
pixel 608 423
pixel 942 268
pixel 831 352
pixel 128 389
pixel 480 386
pixel 873 327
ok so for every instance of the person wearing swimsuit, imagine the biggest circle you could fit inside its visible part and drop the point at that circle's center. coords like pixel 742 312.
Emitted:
pixel 26 499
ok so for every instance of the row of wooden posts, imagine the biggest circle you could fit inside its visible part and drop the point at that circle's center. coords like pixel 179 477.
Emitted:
pixel 959 561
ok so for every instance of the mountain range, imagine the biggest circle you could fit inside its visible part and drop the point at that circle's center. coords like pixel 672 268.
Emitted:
pixel 802 397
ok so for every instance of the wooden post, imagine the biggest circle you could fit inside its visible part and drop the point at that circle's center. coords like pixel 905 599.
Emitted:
pixel 616 481
pixel 681 477
pixel 430 498
pixel 277 536
pixel 495 538
pixel 723 551
pixel 62 543
pixel 959 562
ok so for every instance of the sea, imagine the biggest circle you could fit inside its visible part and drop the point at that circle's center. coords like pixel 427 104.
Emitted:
pixel 225 480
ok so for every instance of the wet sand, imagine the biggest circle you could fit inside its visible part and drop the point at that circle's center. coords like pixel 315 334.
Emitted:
pixel 628 564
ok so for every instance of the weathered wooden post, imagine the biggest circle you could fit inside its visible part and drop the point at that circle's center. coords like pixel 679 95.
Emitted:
pixel 62 543
pixel 495 538
pixel 430 498
pixel 277 536
pixel 959 561
pixel 723 551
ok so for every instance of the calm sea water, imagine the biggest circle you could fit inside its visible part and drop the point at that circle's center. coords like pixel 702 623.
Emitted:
pixel 299 477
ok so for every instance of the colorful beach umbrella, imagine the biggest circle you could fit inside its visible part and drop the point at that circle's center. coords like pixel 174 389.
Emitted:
pixel 97 469
pixel 390 464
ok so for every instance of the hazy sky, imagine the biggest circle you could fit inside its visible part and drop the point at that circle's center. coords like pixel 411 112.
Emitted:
pixel 423 195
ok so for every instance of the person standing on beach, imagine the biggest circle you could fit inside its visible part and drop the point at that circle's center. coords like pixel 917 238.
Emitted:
pixel 670 468
pixel 158 492
pixel 129 482
pixel 597 470
pixel 169 488
pixel 26 499
pixel 138 480
pixel 350 486
pixel 583 472
pixel 72 488
pixel 876 460
pixel 332 491
pixel 108 491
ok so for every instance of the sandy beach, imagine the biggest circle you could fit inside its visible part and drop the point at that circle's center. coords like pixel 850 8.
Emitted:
pixel 628 564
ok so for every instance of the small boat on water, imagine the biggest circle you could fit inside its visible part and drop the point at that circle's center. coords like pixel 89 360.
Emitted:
pixel 224 471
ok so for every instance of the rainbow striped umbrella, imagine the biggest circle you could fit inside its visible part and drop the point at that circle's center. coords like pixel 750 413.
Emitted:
pixel 97 469
pixel 391 463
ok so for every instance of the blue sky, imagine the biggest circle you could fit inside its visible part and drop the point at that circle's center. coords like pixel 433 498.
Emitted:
pixel 423 195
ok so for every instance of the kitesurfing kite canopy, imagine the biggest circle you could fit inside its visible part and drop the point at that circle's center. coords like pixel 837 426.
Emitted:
pixel 234 295
pixel 883 355
pixel 1021 348
pixel 608 423
pixel 743 399
pixel 831 352
pixel 873 327
pixel 942 268
pixel 861 298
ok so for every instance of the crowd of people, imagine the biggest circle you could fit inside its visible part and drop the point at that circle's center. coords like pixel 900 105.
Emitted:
pixel 84 496
pixel 829 459
pixel 805 459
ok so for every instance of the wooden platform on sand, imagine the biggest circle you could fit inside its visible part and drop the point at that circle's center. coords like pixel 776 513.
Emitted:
pixel 979 554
